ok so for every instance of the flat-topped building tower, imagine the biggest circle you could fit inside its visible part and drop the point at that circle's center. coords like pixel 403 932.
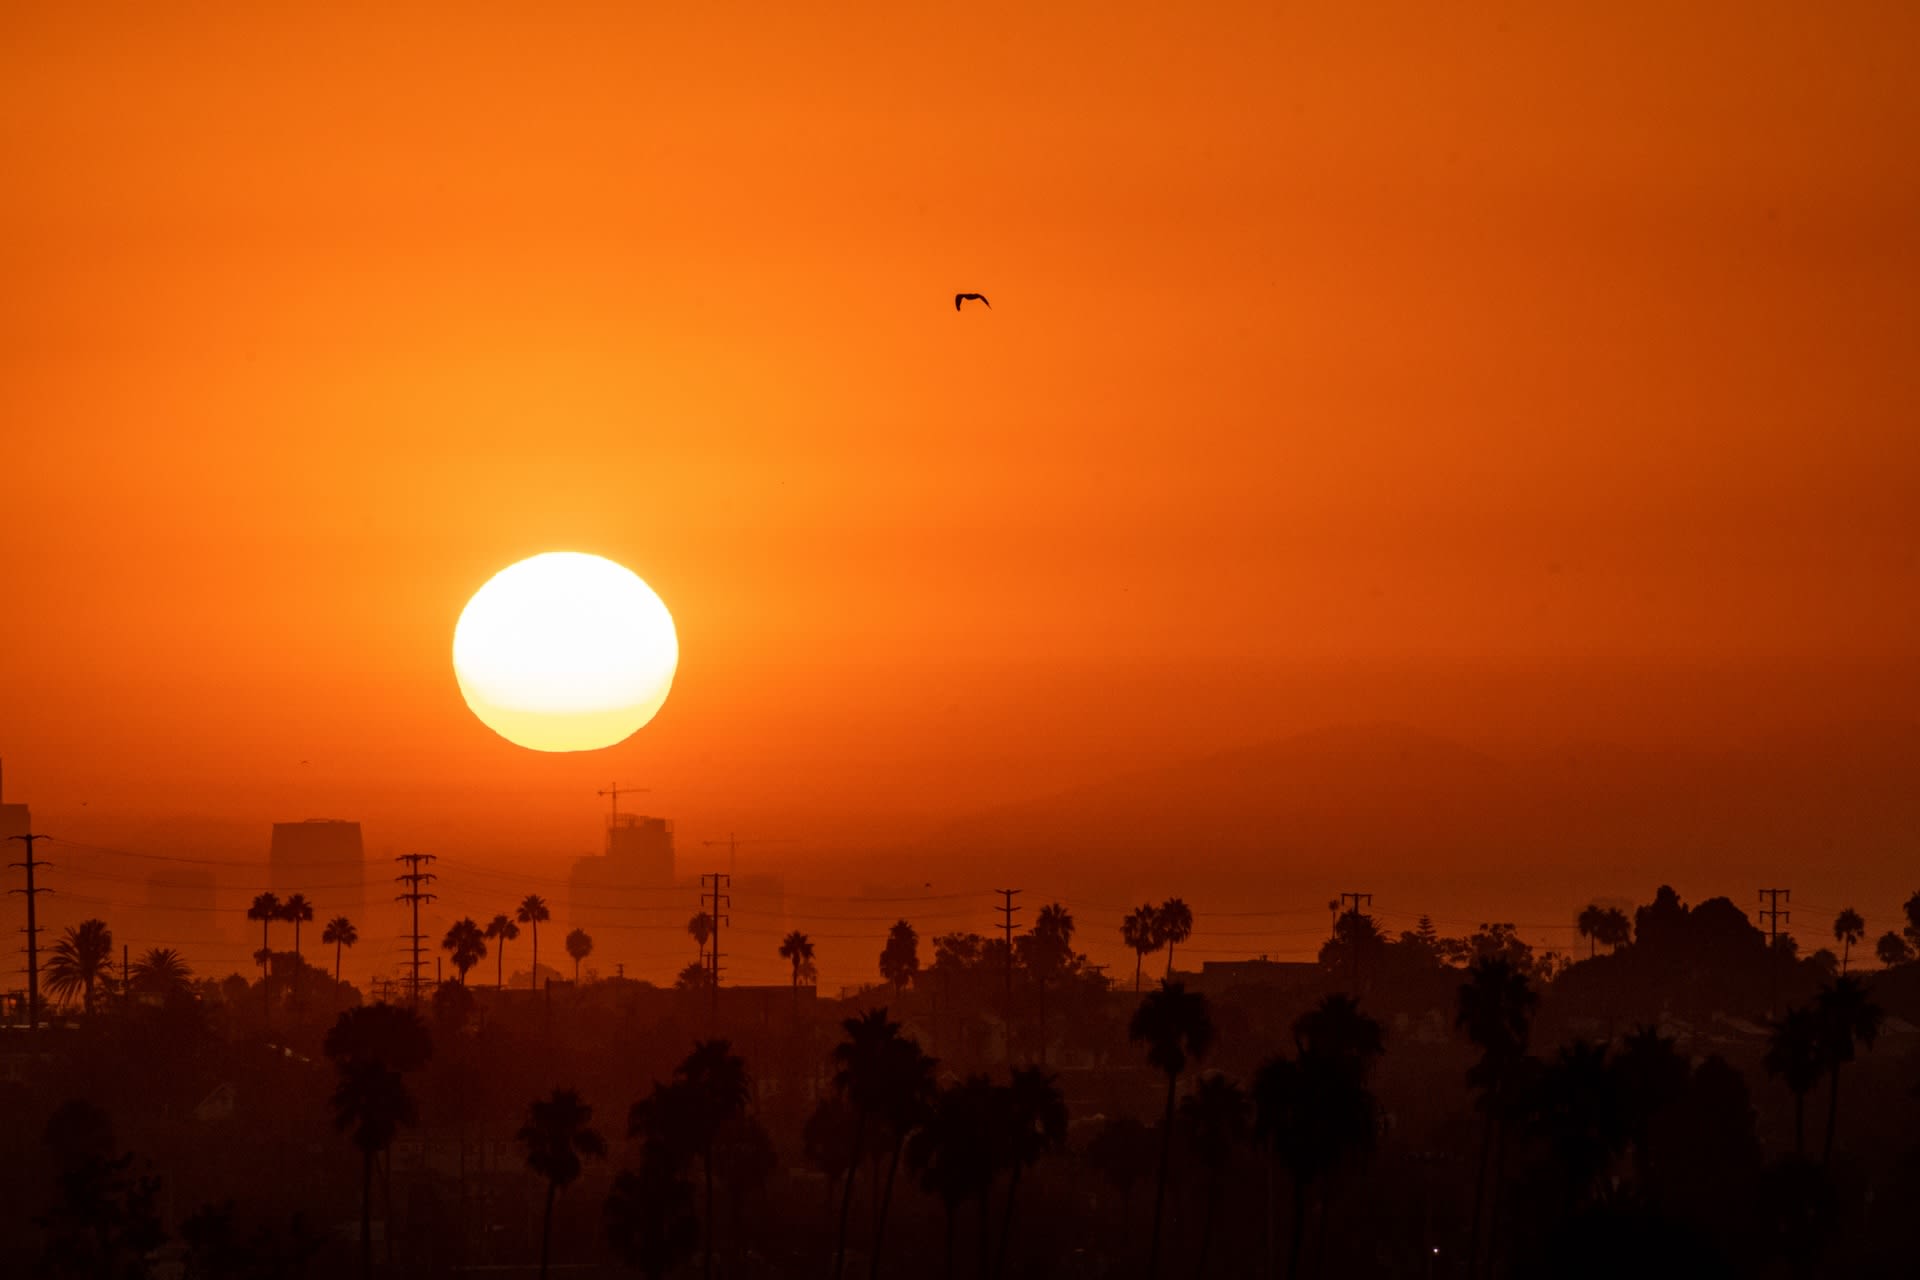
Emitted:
pixel 612 894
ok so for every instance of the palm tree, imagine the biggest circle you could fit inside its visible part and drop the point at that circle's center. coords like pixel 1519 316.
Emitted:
pixel 865 1061
pixel 1846 1015
pixel 372 1100
pixel 796 948
pixel 465 945
pixel 1315 1108
pixel 700 928
pixel 1848 928
pixel 162 972
pixel 1794 1055
pixel 956 1152
pixel 341 933
pixel 1140 930
pixel 501 930
pixel 78 961
pixel 579 946
pixel 297 911
pixel 265 909
pixel 1048 950
pixel 1496 1011
pixel 1175 1025
pixel 906 1092
pixel 1035 1116
pixel 717 1087
pixel 558 1136
pixel 1217 1122
pixel 533 910
pixel 1615 928
pixel 1590 923
pixel 1173 923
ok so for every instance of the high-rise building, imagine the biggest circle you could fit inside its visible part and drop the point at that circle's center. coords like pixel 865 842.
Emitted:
pixel 324 859
pixel 14 818
pixel 614 894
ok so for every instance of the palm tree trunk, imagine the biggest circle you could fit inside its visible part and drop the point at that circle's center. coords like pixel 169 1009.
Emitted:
pixel 546 1228
pixel 1833 1114
pixel 846 1196
pixel 500 966
pixel 1169 960
pixel 1299 1226
pixel 366 1214
pixel 336 959
pixel 1160 1191
pixel 707 1162
pixel 536 957
pixel 1206 1224
pixel 1006 1218
pixel 886 1201
pixel 1479 1195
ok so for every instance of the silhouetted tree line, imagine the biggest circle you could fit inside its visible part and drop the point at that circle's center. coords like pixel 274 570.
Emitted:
pixel 1685 1099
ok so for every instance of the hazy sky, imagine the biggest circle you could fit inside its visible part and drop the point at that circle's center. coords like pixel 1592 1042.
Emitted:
pixel 1516 375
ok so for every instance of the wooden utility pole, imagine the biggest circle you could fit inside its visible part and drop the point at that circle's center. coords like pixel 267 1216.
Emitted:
pixel 1007 910
pixel 32 930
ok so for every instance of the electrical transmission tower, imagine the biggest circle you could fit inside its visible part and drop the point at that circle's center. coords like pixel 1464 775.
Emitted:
pixel 716 901
pixel 1007 910
pixel 32 930
pixel 413 877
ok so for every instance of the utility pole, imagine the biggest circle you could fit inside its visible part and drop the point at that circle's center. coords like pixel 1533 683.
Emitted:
pixel 716 900
pixel 1007 910
pixel 32 930
pixel 126 980
pixel 413 877
pixel 1774 916
pixel 1356 899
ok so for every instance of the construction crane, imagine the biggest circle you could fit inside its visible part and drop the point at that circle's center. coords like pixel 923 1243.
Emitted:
pixel 613 794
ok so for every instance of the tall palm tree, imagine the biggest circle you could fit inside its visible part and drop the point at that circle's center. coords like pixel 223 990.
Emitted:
pixel 1846 1016
pixel 265 909
pixel 1173 923
pixel 1495 1010
pixel 533 910
pixel 956 1152
pixel 1140 930
pixel 78 961
pixel 1216 1116
pixel 797 948
pixel 1048 951
pixel 717 1088
pixel 1035 1116
pixel 341 933
pixel 579 946
pixel 296 910
pixel 1175 1024
pixel 906 1092
pixel 162 971
pixel 465 945
pixel 864 1063
pixel 501 930
pixel 700 928
pixel 1590 923
pixel 1794 1055
pixel 558 1136
pixel 371 1100
pixel 1848 928
pixel 1615 929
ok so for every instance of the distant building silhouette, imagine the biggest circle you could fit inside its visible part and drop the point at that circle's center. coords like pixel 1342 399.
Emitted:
pixel 324 859
pixel 608 893
pixel 14 818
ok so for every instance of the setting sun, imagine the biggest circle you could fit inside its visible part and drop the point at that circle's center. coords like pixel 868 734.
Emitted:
pixel 565 652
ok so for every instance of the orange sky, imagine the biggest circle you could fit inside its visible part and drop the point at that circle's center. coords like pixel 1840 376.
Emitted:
pixel 1521 377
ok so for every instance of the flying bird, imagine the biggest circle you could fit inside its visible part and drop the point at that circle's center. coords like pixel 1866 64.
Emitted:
pixel 959 298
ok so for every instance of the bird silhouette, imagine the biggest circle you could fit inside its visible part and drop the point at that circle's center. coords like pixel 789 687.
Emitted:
pixel 959 298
